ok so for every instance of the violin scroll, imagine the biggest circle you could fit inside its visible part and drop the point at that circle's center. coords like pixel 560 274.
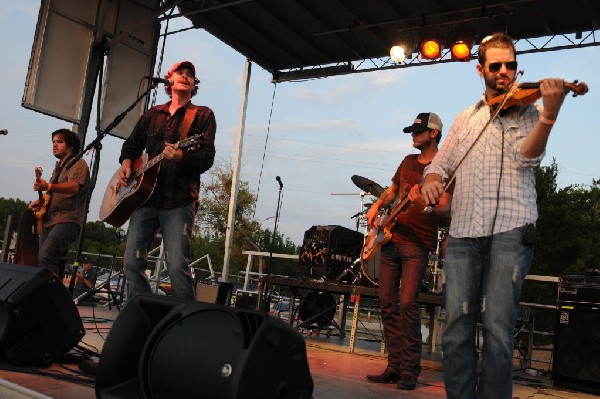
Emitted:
pixel 578 89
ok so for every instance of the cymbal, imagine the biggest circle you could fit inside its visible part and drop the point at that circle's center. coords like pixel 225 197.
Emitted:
pixel 367 185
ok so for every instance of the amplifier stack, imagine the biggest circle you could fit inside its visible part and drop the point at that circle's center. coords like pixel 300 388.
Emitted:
pixel 576 362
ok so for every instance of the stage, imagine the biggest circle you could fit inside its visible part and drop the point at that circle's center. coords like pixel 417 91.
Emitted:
pixel 336 372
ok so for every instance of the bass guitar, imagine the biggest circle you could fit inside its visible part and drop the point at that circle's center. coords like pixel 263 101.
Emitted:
pixel 44 199
pixel 382 233
pixel 119 201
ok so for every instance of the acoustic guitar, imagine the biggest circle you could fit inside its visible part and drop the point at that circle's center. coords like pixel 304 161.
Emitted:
pixel 119 201
pixel 44 199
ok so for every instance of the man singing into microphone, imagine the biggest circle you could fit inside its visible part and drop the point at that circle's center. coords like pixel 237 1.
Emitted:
pixel 172 205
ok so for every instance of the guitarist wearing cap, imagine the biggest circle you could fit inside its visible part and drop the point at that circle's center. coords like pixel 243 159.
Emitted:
pixel 65 202
pixel 410 236
pixel 171 205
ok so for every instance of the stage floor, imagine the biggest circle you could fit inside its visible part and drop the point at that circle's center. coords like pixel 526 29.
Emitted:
pixel 335 372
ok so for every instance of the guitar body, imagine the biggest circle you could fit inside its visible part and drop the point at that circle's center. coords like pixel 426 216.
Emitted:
pixel 380 235
pixel 40 214
pixel 43 200
pixel 119 202
pixel 377 237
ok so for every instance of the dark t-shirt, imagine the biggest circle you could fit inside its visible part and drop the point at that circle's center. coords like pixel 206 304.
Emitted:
pixel 413 227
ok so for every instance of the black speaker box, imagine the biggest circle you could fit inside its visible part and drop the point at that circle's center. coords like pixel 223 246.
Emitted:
pixel 246 300
pixel 168 348
pixel 219 293
pixel 576 362
pixel 39 322
pixel 328 250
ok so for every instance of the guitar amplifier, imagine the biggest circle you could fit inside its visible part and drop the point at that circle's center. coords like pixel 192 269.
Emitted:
pixel 581 288
pixel 327 250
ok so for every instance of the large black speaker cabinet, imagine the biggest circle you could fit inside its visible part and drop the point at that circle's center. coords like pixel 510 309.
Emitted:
pixel 576 362
pixel 39 322
pixel 328 250
pixel 162 347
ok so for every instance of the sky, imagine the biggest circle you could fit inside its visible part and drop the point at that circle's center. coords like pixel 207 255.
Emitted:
pixel 315 136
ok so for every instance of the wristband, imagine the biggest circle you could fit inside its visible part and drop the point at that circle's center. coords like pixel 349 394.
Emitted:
pixel 49 187
pixel 547 121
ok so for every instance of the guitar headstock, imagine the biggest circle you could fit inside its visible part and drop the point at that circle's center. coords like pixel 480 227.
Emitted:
pixel 38 172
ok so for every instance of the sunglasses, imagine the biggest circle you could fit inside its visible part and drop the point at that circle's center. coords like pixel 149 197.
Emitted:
pixel 495 66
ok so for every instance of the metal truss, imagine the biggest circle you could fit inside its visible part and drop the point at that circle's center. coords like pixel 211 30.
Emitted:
pixel 523 46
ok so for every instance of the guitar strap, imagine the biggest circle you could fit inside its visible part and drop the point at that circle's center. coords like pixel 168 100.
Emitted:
pixel 188 119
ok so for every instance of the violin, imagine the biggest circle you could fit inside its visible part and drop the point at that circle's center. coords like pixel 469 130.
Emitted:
pixel 527 93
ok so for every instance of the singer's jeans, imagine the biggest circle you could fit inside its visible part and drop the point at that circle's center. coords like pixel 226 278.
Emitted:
pixel 483 276
pixel 54 246
pixel 401 270
pixel 176 229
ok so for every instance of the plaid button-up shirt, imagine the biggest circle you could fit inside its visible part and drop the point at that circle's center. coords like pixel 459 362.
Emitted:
pixel 495 184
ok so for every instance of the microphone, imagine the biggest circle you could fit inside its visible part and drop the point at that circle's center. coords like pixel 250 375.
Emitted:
pixel 154 80
pixel 3 132
pixel 279 181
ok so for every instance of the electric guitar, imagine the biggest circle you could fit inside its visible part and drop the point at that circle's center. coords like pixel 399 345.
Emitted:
pixel 44 199
pixel 119 201
pixel 383 232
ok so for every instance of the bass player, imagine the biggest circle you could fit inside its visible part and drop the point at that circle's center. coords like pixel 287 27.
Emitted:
pixel 172 203
pixel 404 256
pixel 62 211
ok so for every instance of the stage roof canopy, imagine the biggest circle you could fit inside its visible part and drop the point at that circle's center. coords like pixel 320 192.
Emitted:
pixel 301 39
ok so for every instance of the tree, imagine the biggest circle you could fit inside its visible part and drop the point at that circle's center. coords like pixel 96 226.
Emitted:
pixel 211 221
pixel 10 206
pixel 568 229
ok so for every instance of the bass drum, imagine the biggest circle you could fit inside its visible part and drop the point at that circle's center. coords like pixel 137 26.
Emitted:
pixel 370 268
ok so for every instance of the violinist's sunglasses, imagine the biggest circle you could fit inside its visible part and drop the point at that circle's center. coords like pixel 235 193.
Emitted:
pixel 495 66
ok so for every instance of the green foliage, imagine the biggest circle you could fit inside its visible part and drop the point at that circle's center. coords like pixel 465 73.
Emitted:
pixel 211 224
pixel 568 232
pixel 10 206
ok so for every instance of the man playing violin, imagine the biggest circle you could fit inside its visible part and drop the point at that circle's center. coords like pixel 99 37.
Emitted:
pixel 492 154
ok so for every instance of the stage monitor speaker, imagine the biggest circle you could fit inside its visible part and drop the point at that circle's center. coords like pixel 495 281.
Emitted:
pixel 328 250
pixel 576 363
pixel 165 347
pixel 39 322
pixel 219 293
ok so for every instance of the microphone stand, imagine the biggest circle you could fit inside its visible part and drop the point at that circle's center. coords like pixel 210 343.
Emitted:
pixel 265 288
pixel 97 145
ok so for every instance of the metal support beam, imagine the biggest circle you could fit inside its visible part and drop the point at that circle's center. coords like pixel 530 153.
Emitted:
pixel 235 183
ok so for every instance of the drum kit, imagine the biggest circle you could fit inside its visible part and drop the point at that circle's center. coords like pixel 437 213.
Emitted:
pixel 367 270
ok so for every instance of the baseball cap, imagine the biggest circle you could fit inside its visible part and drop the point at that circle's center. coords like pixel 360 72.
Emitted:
pixel 179 65
pixel 424 121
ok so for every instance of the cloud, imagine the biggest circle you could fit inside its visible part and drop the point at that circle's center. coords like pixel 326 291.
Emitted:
pixel 329 96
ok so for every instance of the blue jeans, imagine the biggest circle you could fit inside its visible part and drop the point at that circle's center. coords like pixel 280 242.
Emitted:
pixel 401 270
pixel 483 277
pixel 54 246
pixel 176 228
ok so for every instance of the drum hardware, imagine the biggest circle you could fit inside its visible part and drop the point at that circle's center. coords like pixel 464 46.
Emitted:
pixel 436 262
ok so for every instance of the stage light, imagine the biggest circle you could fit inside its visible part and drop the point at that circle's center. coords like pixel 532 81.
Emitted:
pixel 397 53
pixel 461 51
pixel 431 48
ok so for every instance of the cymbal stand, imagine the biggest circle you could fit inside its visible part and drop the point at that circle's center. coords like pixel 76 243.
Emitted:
pixel 361 219
pixel 436 263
